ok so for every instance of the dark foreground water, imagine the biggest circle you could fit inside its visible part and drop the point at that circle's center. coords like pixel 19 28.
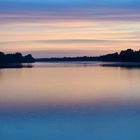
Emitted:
pixel 70 101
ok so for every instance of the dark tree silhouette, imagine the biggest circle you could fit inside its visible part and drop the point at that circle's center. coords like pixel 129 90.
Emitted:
pixel 128 55
pixel 15 58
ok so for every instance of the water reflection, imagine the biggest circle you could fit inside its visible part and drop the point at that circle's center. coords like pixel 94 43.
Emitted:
pixel 62 83
pixel 16 65
pixel 127 65
pixel 69 102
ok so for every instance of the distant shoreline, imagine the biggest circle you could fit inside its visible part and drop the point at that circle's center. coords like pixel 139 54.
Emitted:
pixel 127 58
pixel 128 55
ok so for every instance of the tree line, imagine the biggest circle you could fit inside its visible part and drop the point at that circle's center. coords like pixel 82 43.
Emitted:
pixel 15 58
pixel 128 55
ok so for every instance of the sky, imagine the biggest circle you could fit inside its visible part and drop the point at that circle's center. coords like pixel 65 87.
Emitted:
pixel 57 28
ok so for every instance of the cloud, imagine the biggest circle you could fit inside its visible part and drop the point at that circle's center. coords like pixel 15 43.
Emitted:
pixel 69 41
pixel 107 10
pixel 72 15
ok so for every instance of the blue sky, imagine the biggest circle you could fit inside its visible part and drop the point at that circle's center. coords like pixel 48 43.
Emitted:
pixel 83 3
pixel 66 9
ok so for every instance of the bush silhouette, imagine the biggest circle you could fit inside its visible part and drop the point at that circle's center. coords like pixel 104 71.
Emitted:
pixel 15 58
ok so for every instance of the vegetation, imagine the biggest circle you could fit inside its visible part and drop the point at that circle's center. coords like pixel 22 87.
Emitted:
pixel 15 58
pixel 124 56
